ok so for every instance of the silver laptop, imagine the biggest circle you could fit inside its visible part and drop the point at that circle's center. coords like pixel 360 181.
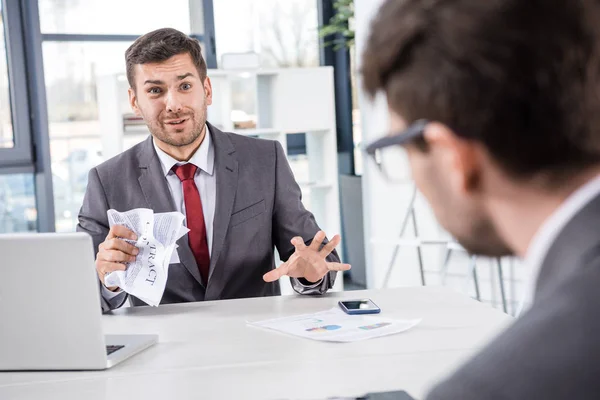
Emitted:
pixel 50 314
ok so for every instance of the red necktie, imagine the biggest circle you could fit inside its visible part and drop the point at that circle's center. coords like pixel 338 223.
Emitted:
pixel 194 217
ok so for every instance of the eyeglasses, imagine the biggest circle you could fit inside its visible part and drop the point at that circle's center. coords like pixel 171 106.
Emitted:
pixel 389 155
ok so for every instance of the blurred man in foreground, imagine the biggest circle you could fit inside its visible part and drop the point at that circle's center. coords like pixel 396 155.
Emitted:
pixel 498 105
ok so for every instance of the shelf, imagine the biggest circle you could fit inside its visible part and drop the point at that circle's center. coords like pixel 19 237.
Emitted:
pixel 311 131
pixel 257 132
pixel 315 185
pixel 259 71
pixel 275 132
pixel 135 129
pixel 221 73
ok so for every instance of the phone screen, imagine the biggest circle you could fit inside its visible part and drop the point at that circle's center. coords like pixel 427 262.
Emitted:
pixel 365 304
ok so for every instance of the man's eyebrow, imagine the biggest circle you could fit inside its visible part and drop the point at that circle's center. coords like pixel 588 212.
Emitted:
pixel 182 77
pixel 159 82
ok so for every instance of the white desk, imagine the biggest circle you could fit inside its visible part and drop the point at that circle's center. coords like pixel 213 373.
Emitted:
pixel 206 351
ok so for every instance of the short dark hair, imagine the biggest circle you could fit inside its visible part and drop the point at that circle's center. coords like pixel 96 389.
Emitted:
pixel 519 76
pixel 160 45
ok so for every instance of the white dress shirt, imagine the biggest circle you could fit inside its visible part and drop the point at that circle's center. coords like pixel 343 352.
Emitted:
pixel 204 159
pixel 549 231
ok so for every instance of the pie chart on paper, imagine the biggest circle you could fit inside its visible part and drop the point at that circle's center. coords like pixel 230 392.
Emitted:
pixel 324 328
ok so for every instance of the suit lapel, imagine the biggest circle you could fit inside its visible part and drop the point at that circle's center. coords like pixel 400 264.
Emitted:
pixel 156 191
pixel 226 170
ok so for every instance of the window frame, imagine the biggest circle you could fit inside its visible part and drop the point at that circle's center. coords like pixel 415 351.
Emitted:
pixel 20 157
pixel 30 153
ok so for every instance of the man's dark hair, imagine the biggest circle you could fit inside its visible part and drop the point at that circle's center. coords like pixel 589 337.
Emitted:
pixel 160 45
pixel 519 76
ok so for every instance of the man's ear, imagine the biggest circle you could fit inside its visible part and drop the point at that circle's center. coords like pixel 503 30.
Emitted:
pixel 208 91
pixel 133 102
pixel 459 158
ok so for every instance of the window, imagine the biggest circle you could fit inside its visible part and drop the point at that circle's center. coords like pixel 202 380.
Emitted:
pixel 356 124
pixel 6 129
pixel 84 44
pixel 17 203
pixel 283 33
pixel 71 71
pixel 19 197
pixel 17 194
pixel 102 17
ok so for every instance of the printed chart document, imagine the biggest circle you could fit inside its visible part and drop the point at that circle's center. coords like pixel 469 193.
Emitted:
pixel 336 326
pixel 157 234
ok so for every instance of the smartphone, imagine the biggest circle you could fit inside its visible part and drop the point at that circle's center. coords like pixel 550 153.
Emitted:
pixel 362 306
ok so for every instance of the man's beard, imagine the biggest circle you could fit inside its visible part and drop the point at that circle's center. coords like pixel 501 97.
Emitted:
pixel 177 138
pixel 484 240
pixel 467 221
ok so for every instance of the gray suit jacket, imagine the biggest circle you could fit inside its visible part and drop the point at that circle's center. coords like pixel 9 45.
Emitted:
pixel 258 207
pixel 553 351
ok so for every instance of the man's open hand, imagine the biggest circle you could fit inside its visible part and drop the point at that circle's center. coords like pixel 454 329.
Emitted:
pixel 309 262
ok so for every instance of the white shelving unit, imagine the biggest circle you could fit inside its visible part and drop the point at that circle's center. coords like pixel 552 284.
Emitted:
pixel 278 102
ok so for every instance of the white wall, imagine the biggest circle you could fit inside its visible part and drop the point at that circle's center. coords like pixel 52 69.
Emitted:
pixel 384 203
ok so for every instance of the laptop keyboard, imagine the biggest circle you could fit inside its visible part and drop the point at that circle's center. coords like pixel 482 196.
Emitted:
pixel 111 349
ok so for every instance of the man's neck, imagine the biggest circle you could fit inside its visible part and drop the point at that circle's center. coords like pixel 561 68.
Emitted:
pixel 182 153
pixel 519 211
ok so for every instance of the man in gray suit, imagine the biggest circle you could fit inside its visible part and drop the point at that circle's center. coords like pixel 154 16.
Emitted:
pixel 497 104
pixel 238 193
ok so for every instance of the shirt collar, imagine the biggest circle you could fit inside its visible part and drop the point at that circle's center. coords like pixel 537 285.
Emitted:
pixel 203 158
pixel 551 228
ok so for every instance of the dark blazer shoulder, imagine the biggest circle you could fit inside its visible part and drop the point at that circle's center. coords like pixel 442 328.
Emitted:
pixel 551 352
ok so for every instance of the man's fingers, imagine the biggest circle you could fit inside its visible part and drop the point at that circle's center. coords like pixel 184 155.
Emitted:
pixel 277 273
pixel 121 245
pixel 317 241
pixel 338 266
pixel 104 267
pixel 115 256
pixel 114 251
pixel 107 267
pixel 329 247
pixel 121 232
pixel 298 243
